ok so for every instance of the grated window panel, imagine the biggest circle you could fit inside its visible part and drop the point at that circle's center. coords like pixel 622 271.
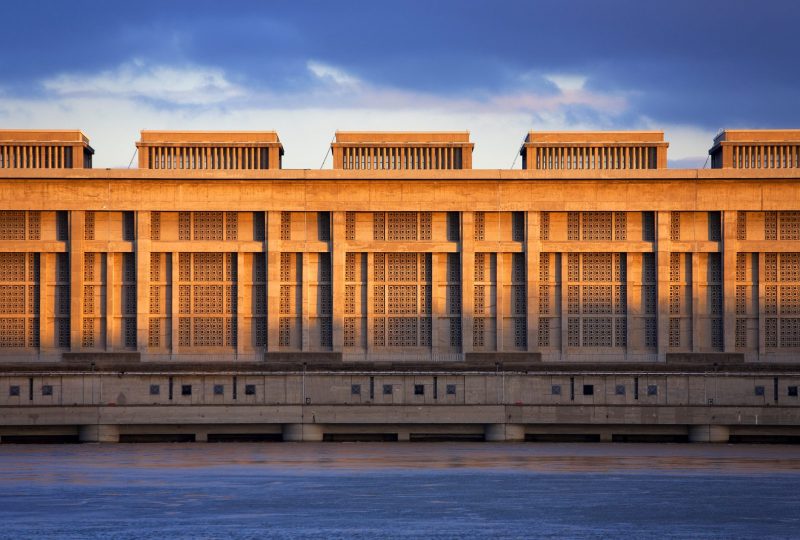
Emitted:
pixel 62 225
pixel 573 332
pixel 716 334
pixel 231 225
pixel 478 332
pixel 544 300
pixel 597 266
pixel 88 266
pixel 379 299
pixel 741 225
pixel 544 267
pixel 480 299
pixel 544 226
pixel 674 332
pixel 573 300
pixel 790 333
pixel 648 226
pixel 771 299
pixel 402 226
pixel 789 225
pixel 674 300
pixel 741 333
pixel 715 299
pixel 620 226
pixel 453 226
pixel 518 267
pixel 208 225
pixel 12 225
pixel 518 226
pixel 284 332
pixel 453 299
pixel 519 300
pixel 620 332
pixel 62 333
pixel 596 225
pixel 425 219
pixel 741 266
pixel 425 332
pixel 155 225
pixel 455 332
pixel 573 267
pixel 378 225
pixel 425 299
pixel 675 226
pixel 326 332
pixel 401 331
pixel 259 227
pixel 154 333
pixel 714 226
pixel 402 267
pixel 715 268
pixel 324 226
pixel 480 226
pixel 34 225
pixel 520 333
pixel 12 332
pixel 286 226
pixel 350 225
pixel 770 225
pixel 544 332
pixel 88 226
pixel 349 333
pixel 379 332
pixel 741 300
pixel 771 333
pixel 650 333
pixel 790 299
pixel 790 267
pixel 480 267
pixel 184 225
pixel 88 333
pixel 573 226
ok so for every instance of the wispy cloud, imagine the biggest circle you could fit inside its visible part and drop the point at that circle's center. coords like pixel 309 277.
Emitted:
pixel 192 85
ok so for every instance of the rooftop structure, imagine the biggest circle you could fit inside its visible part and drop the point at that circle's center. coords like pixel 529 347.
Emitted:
pixel 197 150
pixel 402 150
pixel 594 150
pixel 44 149
pixel 756 149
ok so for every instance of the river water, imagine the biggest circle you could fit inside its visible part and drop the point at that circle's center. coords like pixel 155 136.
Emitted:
pixel 399 490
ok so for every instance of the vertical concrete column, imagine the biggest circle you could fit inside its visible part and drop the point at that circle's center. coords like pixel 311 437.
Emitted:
pixel 370 308
pixel 305 305
pixel 633 295
pixel 663 247
pixel 500 299
pixel 504 432
pixel 533 248
pixel 77 224
pixel 437 302
pixel 142 245
pixel 273 246
pixel 338 256
pixel 175 303
pixel 47 276
pixel 698 303
pixel 564 263
pixel 302 432
pixel 729 280
pixel 244 304
pixel 467 279
pixel 111 301
pixel 705 433
pixel 762 342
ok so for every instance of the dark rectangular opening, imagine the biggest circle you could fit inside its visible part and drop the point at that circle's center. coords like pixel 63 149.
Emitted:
pixel 235 389
pixel 170 388
pixel 636 388
pixel 372 388
pixel 572 388
pixel 249 389
pixel 355 389
pixel 387 389
pixel 775 389
pixel 562 437
pixel 419 389
pixel 436 388
pixel 451 389
pixel 40 439
pixel 446 437
pixel 156 437
pixel 245 437
pixel 649 438
pixel 30 388
pixel 219 390
pixel 588 389
pixel 359 437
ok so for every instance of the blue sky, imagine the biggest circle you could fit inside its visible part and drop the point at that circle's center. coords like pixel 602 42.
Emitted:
pixel 496 68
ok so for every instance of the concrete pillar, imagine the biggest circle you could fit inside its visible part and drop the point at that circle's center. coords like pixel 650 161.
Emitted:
pixel 99 433
pixel 709 433
pixel 302 432
pixel 403 436
pixel 467 280
pixel 533 248
pixel 201 437
pixel 143 246
pixel 504 432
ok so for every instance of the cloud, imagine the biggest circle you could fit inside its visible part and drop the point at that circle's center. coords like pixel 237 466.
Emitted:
pixel 137 79
pixel 112 106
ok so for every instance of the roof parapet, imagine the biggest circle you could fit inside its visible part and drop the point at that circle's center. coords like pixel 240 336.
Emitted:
pixel 44 149
pixel 402 150
pixel 198 150
pixel 599 150
pixel 756 149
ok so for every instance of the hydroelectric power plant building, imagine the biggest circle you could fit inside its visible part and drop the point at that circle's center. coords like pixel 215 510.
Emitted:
pixel 403 295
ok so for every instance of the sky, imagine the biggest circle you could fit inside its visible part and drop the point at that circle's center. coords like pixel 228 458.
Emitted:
pixel 306 69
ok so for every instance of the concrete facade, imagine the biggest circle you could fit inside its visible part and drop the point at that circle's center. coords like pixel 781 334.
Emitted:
pixel 595 254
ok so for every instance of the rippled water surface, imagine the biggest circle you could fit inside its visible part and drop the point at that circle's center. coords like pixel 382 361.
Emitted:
pixel 399 490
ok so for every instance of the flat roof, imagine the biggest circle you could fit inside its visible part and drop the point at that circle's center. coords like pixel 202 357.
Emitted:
pixel 758 135
pixel 213 137
pixel 43 135
pixel 594 137
pixel 402 137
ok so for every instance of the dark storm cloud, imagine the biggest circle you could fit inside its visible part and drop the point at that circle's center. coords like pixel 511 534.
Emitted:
pixel 708 63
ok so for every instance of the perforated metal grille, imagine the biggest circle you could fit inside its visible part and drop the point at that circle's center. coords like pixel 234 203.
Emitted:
pixel 573 226
pixel 286 226
pixel 714 226
pixel 402 225
pixel 741 225
pixel 518 226
pixel 89 226
pixel 378 225
pixel 597 225
pixel 544 226
pixel 789 225
pixel 544 332
pixel 648 226
pixel 155 225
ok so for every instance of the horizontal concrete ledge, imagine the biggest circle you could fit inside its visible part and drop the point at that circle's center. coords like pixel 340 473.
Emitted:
pixel 405 414
pixel 303 358
pixel 101 358
pixel 587 368
pixel 705 359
